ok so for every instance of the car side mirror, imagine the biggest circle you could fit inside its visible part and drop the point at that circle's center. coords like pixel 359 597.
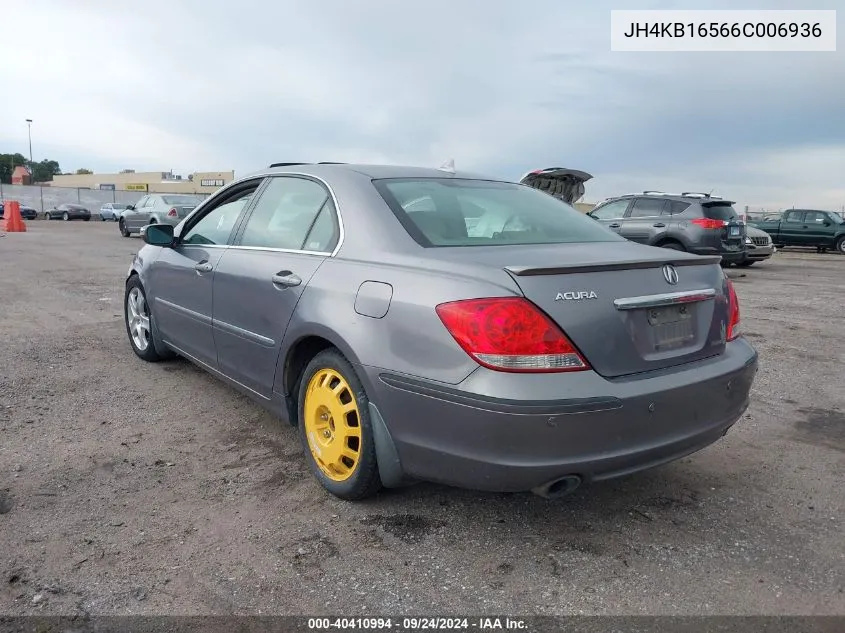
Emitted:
pixel 158 234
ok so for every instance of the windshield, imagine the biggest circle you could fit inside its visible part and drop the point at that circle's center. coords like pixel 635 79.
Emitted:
pixel 186 200
pixel 463 212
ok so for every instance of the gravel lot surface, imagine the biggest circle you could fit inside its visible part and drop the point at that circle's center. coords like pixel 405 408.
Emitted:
pixel 129 488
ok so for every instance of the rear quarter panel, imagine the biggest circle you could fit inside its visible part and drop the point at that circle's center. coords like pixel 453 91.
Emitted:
pixel 410 338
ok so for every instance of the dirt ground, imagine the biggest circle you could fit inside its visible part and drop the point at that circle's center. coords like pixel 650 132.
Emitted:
pixel 130 488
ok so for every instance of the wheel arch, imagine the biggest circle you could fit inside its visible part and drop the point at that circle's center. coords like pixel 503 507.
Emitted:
pixel 668 239
pixel 305 344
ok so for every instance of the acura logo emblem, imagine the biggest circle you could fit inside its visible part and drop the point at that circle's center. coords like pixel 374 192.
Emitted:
pixel 670 274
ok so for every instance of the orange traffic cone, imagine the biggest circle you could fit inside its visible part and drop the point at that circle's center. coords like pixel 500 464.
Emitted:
pixel 12 221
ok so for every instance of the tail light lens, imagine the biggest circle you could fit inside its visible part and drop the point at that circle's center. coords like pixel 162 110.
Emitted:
pixel 172 213
pixel 707 223
pixel 510 334
pixel 733 331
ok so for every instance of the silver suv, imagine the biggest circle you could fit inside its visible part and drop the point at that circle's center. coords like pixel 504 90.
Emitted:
pixel 156 208
pixel 695 222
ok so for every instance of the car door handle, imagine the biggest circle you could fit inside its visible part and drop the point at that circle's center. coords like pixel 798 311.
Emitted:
pixel 615 225
pixel 659 225
pixel 203 267
pixel 286 278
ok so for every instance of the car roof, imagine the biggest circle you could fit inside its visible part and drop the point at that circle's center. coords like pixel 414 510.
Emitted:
pixel 375 172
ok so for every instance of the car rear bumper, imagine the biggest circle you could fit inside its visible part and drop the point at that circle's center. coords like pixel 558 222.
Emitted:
pixel 511 432
pixel 728 256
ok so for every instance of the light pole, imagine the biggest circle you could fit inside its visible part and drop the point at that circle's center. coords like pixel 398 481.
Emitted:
pixel 29 126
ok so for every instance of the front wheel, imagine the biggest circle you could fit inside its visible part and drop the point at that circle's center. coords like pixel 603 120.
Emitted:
pixel 65 216
pixel 102 218
pixel 335 428
pixel 86 219
pixel 122 226
pixel 675 246
pixel 47 216
pixel 139 321
pixel 745 264
pixel 840 245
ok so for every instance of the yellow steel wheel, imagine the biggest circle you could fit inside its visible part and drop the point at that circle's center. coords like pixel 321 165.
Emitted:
pixel 332 424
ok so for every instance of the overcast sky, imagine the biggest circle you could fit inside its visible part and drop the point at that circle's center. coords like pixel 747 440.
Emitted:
pixel 500 86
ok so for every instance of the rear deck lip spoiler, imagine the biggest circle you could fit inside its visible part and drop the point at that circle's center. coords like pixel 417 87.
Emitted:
pixel 564 269
pixel 665 299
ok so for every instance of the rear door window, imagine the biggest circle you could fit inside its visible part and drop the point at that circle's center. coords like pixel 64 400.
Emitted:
pixel 794 216
pixel 647 208
pixel 292 214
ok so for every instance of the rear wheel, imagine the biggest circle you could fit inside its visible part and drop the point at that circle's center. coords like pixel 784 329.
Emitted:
pixel 675 246
pixel 65 216
pixel 86 219
pixel 122 226
pixel 335 428
pixel 47 216
pixel 745 264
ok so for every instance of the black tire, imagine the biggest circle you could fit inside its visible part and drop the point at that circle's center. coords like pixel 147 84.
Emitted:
pixel 148 354
pixel 102 218
pixel 86 219
pixel 65 216
pixel 122 226
pixel 675 246
pixel 746 263
pixel 47 216
pixel 840 245
pixel 365 480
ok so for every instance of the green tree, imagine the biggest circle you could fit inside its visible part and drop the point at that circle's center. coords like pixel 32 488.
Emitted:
pixel 80 172
pixel 45 170
pixel 8 162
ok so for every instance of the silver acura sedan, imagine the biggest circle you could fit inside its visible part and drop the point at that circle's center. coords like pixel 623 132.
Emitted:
pixel 423 324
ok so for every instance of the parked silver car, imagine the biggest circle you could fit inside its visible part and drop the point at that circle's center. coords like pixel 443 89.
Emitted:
pixel 419 324
pixel 758 247
pixel 156 208
pixel 112 211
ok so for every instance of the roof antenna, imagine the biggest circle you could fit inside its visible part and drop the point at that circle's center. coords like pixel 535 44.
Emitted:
pixel 448 166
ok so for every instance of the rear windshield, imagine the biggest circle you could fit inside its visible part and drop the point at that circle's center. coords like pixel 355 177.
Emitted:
pixel 719 211
pixel 118 206
pixel 186 200
pixel 464 212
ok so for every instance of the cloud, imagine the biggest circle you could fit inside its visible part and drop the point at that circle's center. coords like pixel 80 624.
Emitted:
pixel 501 88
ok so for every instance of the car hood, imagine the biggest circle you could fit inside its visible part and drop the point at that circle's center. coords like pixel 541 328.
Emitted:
pixel 564 184
pixel 752 231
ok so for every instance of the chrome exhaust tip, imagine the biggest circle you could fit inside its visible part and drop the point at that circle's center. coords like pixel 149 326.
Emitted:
pixel 557 488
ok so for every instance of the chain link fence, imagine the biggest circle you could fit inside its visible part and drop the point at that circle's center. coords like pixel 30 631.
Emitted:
pixel 44 198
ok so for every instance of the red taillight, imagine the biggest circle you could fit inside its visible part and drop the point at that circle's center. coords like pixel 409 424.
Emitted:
pixel 707 223
pixel 172 213
pixel 733 331
pixel 510 334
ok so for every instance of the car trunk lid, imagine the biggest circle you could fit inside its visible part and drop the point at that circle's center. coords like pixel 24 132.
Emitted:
pixel 562 183
pixel 732 231
pixel 628 308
